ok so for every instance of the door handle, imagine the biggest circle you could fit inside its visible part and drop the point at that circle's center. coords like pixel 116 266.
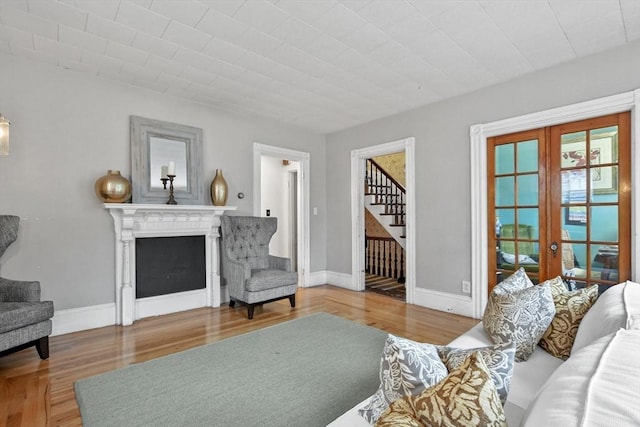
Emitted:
pixel 554 248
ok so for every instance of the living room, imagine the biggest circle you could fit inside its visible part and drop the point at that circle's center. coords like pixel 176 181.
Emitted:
pixel 68 127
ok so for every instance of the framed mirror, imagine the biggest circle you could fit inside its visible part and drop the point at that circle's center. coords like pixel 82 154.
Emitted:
pixel 154 144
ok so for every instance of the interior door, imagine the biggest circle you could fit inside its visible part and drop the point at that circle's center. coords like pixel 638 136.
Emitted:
pixel 517 205
pixel 591 200
pixel 559 202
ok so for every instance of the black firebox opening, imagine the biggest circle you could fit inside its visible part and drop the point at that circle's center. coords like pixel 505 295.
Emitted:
pixel 166 265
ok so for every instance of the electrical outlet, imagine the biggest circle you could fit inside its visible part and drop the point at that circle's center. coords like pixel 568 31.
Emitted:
pixel 466 287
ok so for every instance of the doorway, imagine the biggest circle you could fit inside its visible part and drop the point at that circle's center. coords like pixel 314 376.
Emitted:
pixel 561 197
pixel 281 189
pixel 479 134
pixel 358 189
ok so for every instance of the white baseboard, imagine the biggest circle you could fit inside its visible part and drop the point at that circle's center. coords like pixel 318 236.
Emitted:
pixel 342 280
pixel 82 318
pixel 442 301
pixel 316 278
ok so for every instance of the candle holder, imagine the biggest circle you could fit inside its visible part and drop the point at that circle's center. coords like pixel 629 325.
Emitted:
pixel 172 200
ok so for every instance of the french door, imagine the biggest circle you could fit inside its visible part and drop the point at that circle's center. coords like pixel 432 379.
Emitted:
pixel 559 201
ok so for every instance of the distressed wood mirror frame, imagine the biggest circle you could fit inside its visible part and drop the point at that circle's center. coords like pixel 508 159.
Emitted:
pixel 148 138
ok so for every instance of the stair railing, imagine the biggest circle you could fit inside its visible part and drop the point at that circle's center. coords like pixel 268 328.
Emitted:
pixel 386 191
pixel 384 257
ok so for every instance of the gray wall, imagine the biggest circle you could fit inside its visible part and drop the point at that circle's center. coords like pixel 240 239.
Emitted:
pixel 67 130
pixel 443 157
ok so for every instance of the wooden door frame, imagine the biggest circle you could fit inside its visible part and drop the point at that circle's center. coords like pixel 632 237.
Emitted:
pixel 628 101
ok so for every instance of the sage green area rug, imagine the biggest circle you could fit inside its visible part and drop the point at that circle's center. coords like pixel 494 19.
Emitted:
pixel 305 372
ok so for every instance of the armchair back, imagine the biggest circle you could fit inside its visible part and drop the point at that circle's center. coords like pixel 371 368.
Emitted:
pixel 8 231
pixel 246 239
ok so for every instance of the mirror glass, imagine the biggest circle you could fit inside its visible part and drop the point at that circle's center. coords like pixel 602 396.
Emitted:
pixel 161 152
pixel 154 145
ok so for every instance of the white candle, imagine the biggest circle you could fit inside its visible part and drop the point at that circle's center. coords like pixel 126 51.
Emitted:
pixel 172 168
pixel 163 171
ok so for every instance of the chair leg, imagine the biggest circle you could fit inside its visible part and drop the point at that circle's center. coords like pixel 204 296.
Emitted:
pixel 250 308
pixel 292 300
pixel 232 303
pixel 42 345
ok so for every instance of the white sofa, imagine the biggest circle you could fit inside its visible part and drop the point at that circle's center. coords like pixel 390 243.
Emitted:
pixel 599 385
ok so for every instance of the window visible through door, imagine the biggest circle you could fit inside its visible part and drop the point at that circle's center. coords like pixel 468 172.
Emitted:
pixel 559 202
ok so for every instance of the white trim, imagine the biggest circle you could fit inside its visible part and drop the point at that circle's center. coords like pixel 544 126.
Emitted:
pixel 259 150
pixel 83 318
pixel 341 280
pixel 358 158
pixel 628 101
pixel 317 278
pixel 171 303
pixel 442 301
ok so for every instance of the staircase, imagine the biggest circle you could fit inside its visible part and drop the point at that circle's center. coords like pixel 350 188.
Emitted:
pixel 385 199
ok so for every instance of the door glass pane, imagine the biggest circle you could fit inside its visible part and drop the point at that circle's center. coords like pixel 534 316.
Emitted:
pixel 504 159
pixel 604 145
pixel 605 262
pixel 528 253
pixel 505 190
pixel 528 156
pixel 574 186
pixel 528 189
pixel 579 259
pixel 604 223
pixel 528 221
pixel 604 184
pixel 574 222
pixel 574 149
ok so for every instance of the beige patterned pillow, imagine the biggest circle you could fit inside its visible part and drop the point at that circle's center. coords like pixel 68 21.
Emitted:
pixel 570 309
pixel 518 312
pixel 467 397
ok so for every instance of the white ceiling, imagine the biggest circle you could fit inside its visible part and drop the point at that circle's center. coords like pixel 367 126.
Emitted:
pixel 323 65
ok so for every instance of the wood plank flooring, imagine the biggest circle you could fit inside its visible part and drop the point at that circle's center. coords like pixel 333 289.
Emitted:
pixel 36 393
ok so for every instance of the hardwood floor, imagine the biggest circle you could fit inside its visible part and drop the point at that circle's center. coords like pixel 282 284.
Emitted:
pixel 34 392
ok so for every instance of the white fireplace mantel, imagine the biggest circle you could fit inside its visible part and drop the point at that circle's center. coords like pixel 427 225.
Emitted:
pixel 132 221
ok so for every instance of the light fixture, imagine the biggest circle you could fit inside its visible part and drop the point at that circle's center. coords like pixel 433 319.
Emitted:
pixel 4 136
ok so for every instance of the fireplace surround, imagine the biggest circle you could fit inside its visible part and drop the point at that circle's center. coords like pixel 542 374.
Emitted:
pixel 133 221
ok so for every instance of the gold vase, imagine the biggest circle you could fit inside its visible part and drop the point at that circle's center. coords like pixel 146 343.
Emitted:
pixel 113 188
pixel 219 189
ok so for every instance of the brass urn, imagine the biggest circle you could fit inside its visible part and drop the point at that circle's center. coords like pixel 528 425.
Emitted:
pixel 113 187
pixel 219 189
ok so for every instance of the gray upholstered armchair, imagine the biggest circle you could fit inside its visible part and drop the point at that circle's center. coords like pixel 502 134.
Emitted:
pixel 24 319
pixel 252 275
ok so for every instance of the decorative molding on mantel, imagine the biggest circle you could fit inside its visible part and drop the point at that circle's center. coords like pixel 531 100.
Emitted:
pixel 133 221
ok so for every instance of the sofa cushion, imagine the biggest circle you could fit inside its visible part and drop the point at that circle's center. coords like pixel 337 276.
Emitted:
pixel 617 307
pixel 466 397
pixel 518 312
pixel 571 307
pixel 498 358
pixel 406 368
pixel 598 385
pixel 14 315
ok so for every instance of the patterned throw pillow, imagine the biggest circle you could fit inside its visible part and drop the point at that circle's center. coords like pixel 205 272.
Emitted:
pixel 498 358
pixel 406 369
pixel 519 312
pixel 466 397
pixel 570 309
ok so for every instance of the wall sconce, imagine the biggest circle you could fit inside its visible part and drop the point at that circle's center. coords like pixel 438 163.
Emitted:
pixel 4 136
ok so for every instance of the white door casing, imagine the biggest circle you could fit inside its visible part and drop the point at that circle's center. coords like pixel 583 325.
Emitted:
pixel 304 160
pixel 358 160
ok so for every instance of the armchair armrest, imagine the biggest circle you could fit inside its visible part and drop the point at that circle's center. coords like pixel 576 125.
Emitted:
pixel 19 291
pixel 279 263
pixel 236 273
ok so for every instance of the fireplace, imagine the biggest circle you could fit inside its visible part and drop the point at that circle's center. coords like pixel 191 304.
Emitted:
pixel 177 228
